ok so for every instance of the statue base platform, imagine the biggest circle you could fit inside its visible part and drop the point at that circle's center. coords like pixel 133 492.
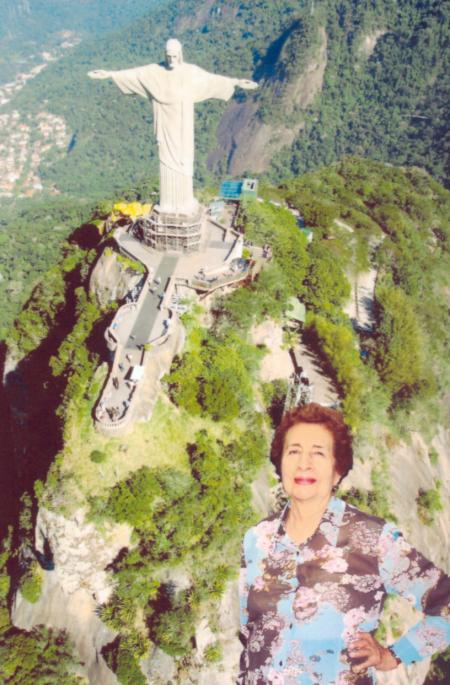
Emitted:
pixel 179 232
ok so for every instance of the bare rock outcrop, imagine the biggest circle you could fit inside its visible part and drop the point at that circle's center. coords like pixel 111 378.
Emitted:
pixel 79 551
pixel 161 669
pixel 408 470
pixel 73 590
pixel 110 280
pixel 369 42
pixel 74 613
pixel 247 142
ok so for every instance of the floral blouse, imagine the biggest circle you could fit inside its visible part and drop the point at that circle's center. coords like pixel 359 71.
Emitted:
pixel 301 605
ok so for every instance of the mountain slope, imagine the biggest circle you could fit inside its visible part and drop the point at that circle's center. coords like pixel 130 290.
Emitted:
pixel 192 478
pixel 30 26
pixel 335 78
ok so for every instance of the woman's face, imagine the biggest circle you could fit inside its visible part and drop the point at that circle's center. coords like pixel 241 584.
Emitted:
pixel 308 469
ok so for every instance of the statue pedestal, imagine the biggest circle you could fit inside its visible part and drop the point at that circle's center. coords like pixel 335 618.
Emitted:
pixel 179 232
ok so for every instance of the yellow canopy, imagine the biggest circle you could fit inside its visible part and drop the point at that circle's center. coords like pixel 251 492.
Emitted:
pixel 131 209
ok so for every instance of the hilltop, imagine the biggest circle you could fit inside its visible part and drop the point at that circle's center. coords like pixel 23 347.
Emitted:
pixel 143 533
pixel 335 79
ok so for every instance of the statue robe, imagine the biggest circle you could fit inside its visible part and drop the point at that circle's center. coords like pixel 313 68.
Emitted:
pixel 174 93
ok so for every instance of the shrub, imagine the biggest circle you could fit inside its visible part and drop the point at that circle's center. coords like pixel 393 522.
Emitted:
pixel 315 211
pixel 433 456
pixel 173 628
pixel 72 352
pixel 31 583
pixel 429 502
pixel 336 344
pixel 36 319
pixel 200 516
pixel 266 298
pixel 97 457
pixel 122 657
pixel 265 223
pixel 213 653
pixel 400 351
pixel 131 264
pixel 274 395
pixel 38 489
pixel 326 286
pixel 40 656
pixel 215 376
pixel 5 553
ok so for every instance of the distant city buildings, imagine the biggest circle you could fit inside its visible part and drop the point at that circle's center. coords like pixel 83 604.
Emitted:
pixel 25 140
pixel 24 143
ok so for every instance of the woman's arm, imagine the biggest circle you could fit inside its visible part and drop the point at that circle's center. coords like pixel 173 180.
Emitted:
pixel 243 614
pixel 408 573
pixel 243 589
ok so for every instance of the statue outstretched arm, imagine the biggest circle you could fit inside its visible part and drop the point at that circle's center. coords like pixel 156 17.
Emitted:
pixel 246 84
pixel 129 81
pixel 99 73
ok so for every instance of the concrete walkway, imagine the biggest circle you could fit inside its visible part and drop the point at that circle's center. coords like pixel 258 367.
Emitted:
pixel 323 390
pixel 360 307
pixel 281 363
pixel 143 323
pixel 150 310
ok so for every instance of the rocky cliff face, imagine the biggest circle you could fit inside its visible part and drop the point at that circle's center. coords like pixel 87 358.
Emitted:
pixel 76 587
pixel 161 669
pixel 409 470
pixel 111 280
pixel 80 552
pixel 248 142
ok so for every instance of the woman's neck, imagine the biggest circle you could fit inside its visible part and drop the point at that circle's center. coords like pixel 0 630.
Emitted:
pixel 304 518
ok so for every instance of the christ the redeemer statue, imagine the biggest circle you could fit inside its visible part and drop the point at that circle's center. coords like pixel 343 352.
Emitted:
pixel 174 89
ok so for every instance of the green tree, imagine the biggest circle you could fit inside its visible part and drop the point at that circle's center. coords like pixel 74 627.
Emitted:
pixel 267 223
pixel 400 356
pixel 40 657
pixel 326 285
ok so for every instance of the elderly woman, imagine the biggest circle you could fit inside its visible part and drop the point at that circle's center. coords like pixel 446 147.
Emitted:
pixel 314 579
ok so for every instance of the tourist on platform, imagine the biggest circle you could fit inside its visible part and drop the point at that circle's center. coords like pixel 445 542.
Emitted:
pixel 315 577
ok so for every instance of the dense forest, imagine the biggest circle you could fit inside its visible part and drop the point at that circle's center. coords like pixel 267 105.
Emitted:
pixel 181 486
pixel 32 235
pixel 31 240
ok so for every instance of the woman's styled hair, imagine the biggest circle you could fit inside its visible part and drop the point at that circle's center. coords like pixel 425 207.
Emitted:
pixel 331 419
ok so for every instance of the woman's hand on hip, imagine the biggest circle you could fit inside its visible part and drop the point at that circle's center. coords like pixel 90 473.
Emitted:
pixel 365 647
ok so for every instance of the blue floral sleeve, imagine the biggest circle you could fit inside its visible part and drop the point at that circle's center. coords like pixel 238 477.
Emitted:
pixel 243 612
pixel 407 573
pixel 243 588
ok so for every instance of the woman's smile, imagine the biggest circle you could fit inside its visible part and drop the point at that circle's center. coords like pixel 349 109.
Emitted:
pixel 304 480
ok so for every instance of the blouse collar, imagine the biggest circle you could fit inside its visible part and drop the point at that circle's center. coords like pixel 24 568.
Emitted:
pixel 329 524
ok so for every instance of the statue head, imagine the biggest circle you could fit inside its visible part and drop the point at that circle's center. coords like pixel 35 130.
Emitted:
pixel 174 53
